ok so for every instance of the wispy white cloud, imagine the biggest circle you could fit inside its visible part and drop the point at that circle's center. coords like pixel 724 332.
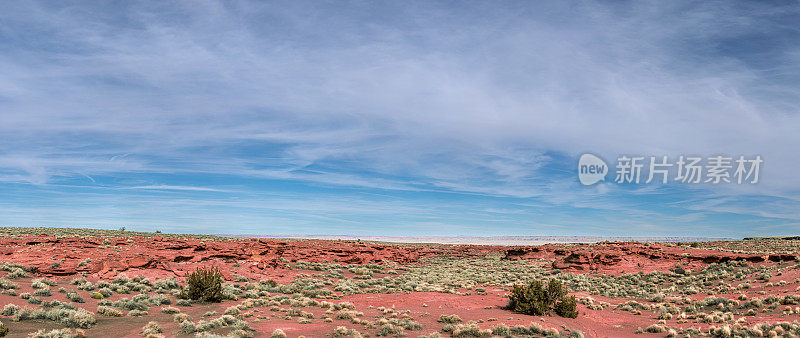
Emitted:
pixel 175 187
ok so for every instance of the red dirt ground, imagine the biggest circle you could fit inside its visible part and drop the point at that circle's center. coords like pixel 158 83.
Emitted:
pixel 271 259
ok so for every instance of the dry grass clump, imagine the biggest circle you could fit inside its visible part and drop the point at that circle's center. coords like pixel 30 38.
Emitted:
pixel 140 302
pixel 278 333
pixel 781 329
pixel 469 329
pixel 183 302
pixel 58 333
pixel 40 283
pixel 108 311
pixel 73 296
pixel 170 310
pixel 180 317
pixel 10 310
pixel 6 284
pixel 16 273
pixel 158 300
pixel 79 318
pixel 449 319
pixel 342 331
pixel 43 292
pixel 137 313
pixel 222 321
pixel 404 323
pixel 390 330
pixel 58 304
pixel 592 304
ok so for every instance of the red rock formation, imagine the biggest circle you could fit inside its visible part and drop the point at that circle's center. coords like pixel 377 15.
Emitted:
pixel 630 255
pixel 122 254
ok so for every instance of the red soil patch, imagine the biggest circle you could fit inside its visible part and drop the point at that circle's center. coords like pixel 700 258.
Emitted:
pixel 269 258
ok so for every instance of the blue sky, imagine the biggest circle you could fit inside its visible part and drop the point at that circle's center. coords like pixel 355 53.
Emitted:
pixel 395 118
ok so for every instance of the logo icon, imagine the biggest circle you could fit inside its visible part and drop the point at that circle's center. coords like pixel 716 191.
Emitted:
pixel 591 169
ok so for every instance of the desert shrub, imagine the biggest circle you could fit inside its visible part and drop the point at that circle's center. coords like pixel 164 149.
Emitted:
pixel 449 319
pixel 278 333
pixel 655 328
pixel 348 314
pixel 470 329
pixel 4 330
pixel 43 292
pixel 344 305
pixel 86 286
pixel 204 284
pixel 230 291
pixel 137 303
pixel 97 295
pixel 108 311
pixel 58 304
pixel 180 317
pixel 501 330
pixel 41 283
pixel 233 311
pixel 105 291
pixel 10 310
pixel 137 313
pixel 38 284
pixel 78 281
pixel 16 273
pixel 432 335
pixel 222 321
pixel 170 310
pixel 183 302
pixel 72 318
pixel 57 333
pixel 566 307
pixel 268 282
pixel 160 300
pixel 167 284
pixel 389 330
pixel 538 300
pixel 74 297
pixel 152 328
pixel 6 284
pixel 188 327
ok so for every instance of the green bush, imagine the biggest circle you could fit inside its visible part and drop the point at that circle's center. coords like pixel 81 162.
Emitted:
pixel 567 307
pixel 3 330
pixel 204 284
pixel 538 300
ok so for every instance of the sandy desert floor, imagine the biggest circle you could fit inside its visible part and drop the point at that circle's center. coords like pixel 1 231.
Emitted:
pixel 96 283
